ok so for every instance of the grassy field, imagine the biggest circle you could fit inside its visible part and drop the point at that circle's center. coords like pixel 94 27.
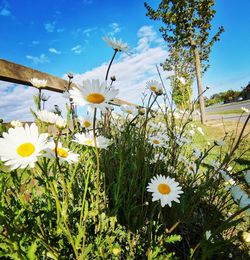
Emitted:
pixel 226 112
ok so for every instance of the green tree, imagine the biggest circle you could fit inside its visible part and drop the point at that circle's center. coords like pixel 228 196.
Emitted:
pixel 181 91
pixel 186 25
pixel 178 62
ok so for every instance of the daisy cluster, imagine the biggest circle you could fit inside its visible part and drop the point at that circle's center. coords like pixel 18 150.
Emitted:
pixel 23 145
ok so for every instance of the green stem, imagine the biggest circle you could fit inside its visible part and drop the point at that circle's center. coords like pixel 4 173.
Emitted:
pixel 59 212
pixel 107 73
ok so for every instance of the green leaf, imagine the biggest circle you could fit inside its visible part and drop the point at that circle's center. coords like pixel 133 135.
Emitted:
pixel 173 238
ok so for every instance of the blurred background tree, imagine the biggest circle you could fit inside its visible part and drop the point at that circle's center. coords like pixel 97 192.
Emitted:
pixel 186 26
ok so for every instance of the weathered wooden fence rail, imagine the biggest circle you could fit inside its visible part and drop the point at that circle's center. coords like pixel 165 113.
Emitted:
pixel 19 74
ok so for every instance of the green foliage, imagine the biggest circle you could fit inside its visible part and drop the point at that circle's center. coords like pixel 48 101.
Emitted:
pixel 181 92
pixel 226 96
pixel 186 28
pixel 52 212
pixel 186 25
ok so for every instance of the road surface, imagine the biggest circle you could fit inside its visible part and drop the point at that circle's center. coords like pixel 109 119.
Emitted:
pixel 225 107
pixel 229 106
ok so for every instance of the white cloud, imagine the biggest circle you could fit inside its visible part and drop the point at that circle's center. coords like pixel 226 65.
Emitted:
pixel 77 49
pixel 147 35
pixel 59 30
pixel 87 32
pixel 5 12
pixel 53 50
pixel 131 71
pixel 115 28
pixel 16 101
pixel 35 42
pixel 40 59
pixel 50 27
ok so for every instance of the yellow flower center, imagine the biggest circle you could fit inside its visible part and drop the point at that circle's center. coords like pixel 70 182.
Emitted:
pixel 62 152
pixel 129 111
pixel 88 142
pixel 116 251
pixel 86 124
pixel 26 149
pixel 153 88
pixel 164 188
pixel 95 98
pixel 155 141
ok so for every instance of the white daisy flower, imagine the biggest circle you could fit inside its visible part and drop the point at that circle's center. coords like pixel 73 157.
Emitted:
pixel 153 126
pixel 87 139
pixel 196 152
pixel 246 236
pixel 177 115
pixel 157 140
pixel 117 45
pixel 219 142
pixel 191 132
pixel 215 164
pixel 158 157
pixel 245 110
pixel 191 167
pixel 182 80
pixel 199 129
pixel 16 123
pixel 154 86
pixel 94 94
pixel 51 118
pixel 63 153
pixel 164 189
pixel 86 122
pixel 21 146
pixel 228 180
pixel 60 122
pixel 131 110
pixel 38 83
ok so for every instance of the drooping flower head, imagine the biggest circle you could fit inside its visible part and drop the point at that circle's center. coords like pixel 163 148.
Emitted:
pixel 21 146
pixel 117 45
pixel 51 118
pixel 219 142
pixel 154 86
pixel 245 110
pixel 87 139
pixel 38 83
pixel 93 94
pixel 131 110
pixel 164 189
pixel 63 153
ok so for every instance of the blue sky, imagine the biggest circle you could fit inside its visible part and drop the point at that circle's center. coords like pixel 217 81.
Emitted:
pixel 62 36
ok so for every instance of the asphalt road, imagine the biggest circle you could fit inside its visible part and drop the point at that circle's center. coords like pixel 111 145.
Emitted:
pixel 229 106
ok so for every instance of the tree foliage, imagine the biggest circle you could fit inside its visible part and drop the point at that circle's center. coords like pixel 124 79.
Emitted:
pixel 225 97
pixel 187 24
